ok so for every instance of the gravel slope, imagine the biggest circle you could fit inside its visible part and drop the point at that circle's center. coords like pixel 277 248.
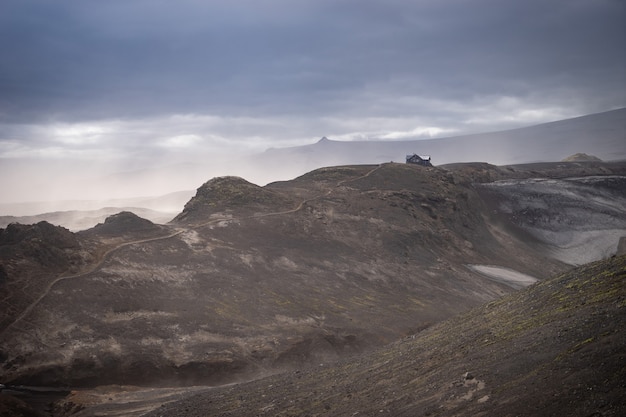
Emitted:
pixel 553 349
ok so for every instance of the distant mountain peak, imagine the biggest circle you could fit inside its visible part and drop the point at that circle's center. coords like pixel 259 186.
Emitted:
pixel 324 139
pixel 599 134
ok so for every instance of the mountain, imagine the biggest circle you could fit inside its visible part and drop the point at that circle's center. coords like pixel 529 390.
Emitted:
pixel 77 215
pixel 248 281
pixel 602 135
pixel 76 220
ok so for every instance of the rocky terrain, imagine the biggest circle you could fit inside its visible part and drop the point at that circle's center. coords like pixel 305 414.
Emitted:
pixel 32 258
pixel 554 349
pixel 249 281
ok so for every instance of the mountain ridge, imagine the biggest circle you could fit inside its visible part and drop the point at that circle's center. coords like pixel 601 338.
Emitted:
pixel 602 135
pixel 255 280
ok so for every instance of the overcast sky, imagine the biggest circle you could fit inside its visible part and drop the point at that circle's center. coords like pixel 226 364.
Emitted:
pixel 131 79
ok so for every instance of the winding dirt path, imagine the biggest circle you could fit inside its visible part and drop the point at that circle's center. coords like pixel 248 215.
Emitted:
pixel 104 256
pixel 100 261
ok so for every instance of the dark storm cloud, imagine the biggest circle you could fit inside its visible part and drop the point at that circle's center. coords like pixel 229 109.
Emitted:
pixel 311 66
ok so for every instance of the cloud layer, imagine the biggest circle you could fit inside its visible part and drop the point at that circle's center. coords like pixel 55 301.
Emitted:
pixel 132 80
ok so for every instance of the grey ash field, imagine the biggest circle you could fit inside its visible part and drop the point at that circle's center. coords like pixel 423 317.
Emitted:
pixel 339 283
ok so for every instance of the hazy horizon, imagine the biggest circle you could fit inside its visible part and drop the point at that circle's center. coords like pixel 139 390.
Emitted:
pixel 91 89
pixel 83 185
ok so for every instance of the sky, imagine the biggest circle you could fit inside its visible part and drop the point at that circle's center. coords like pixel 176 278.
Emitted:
pixel 129 83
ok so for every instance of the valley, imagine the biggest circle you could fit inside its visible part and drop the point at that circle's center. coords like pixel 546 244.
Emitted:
pixel 251 281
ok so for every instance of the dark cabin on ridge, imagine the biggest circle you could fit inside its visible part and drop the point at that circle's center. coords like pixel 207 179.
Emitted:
pixel 423 160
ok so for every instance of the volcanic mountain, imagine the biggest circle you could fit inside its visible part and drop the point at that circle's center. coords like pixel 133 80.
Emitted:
pixel 250 280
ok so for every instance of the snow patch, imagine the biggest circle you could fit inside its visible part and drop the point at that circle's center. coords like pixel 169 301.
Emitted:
pixel 510 277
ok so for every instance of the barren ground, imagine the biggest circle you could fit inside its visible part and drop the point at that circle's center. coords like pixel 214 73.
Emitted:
pixel 249 281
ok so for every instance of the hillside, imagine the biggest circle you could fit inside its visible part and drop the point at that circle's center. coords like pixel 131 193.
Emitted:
pixel 249 281
pixel 31 257
pixel 554 349
pixel 223 194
